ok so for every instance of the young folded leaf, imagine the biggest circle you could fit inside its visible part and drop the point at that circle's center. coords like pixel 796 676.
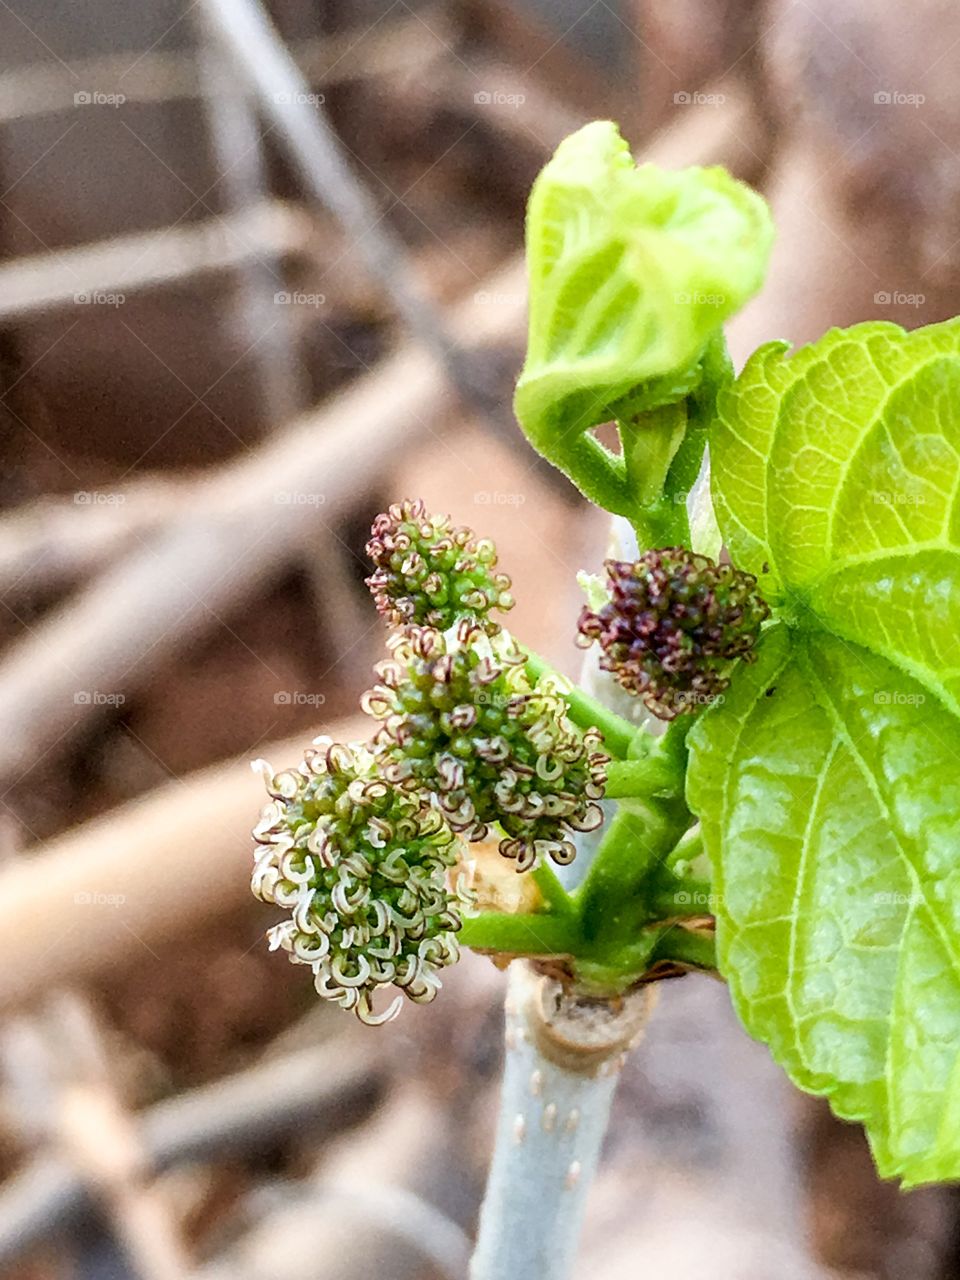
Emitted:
pixel 827 783
pixel 632 272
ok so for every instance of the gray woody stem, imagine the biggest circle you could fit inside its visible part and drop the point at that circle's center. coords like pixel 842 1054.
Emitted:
pixel 562 1062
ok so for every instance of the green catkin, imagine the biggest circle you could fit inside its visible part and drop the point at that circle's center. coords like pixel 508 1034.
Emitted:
pixel 365 870
pixel 460 719
pixel 429 573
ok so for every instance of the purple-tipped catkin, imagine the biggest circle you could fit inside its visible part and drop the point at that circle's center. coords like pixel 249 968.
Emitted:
pixel 673 626
pixel 428 573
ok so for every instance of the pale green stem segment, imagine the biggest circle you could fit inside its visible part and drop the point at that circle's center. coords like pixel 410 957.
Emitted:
pixel 644 776
pixel 691 947
pixel 690 848
pixel 554 895
pixel 554 1109
pixel 650 445
pixel 521 935
pixel 587 712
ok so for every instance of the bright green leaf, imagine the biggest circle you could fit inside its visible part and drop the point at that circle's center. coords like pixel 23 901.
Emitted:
pixel 843 450
pixel 828 782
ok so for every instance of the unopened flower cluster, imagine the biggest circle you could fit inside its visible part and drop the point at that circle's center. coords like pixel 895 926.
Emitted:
pixel 429 573
pixel 673 626
pixel 361 843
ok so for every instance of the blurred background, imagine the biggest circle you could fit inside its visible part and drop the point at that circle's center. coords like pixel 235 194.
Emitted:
pixel 257 281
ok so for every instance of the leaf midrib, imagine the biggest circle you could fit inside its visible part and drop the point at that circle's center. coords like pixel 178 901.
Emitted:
pixel 882 553
pixel 943 933
pixel 828 624
pixel 802 869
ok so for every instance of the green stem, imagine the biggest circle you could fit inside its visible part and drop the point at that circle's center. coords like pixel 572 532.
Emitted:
pixel 642 834
pixel 673 745
pixel 520 935
pixel 662 524
pixel 716 371
pixel 671 895
pixel 650 775
pixel 599 474
pixel 681 479
pixel 561 435
pixel 554 895
pixel 586 712
pixel 689 847
pixel 650 443
pixel 693 947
